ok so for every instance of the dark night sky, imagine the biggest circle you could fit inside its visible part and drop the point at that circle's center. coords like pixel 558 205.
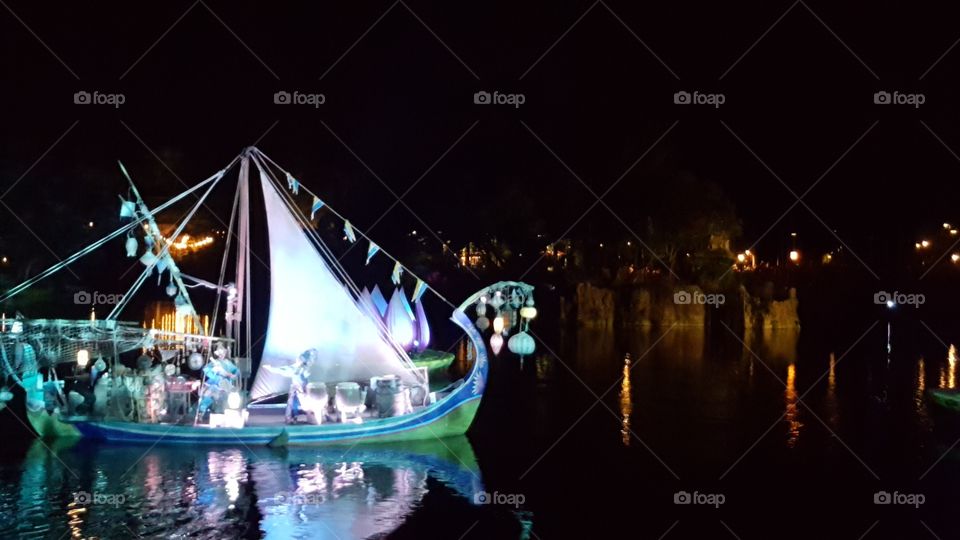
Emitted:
pixel 200 91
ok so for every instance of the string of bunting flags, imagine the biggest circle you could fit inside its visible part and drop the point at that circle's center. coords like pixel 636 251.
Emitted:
pixel 350 234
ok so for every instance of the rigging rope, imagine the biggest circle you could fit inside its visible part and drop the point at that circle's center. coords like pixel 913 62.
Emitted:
pixel 96 245
pixel 361 233
pixel 148 271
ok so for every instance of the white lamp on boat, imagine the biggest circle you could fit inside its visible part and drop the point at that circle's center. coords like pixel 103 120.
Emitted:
pixel 234 401
pixel 83 358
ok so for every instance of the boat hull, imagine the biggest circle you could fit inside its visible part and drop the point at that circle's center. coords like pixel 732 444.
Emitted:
pixel 450 416
pixel 947 400
pixel 406 428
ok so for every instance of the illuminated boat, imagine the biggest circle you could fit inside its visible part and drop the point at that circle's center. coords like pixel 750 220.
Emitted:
pixel 363 386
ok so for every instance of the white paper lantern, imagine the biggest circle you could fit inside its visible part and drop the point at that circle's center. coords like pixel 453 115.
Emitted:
pixel 131 246
pixel 522 344
pixel 171 290
pixel 148 259
pixel 496 343
pixel 498 324
pixel 195 361
pixel 483 323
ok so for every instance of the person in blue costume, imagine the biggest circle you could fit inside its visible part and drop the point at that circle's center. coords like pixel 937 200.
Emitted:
pixel 299 375
pixel 220 378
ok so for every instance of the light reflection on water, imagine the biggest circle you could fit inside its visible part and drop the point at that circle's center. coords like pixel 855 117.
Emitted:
pixel 721 387
pixel 792 413
pixel 228 492
pixel 948 373
pixel 626 402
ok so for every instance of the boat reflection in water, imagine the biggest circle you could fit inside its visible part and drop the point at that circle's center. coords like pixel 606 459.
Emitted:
pixel 130 491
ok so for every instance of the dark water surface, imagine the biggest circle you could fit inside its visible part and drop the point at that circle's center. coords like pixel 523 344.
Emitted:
pixel 783 435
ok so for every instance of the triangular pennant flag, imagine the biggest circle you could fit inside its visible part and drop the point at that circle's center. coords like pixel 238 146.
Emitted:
pixel 317 205
pixel 128 209
pixel 397 270
pixel 293 184
pixel 348 232
pixel 418 291
pixel 371 251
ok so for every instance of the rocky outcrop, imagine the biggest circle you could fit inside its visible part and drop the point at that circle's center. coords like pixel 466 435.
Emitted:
pixel 764 313
pixel 639 310
pixel 595 306
pixel 641 307
pixel 682 308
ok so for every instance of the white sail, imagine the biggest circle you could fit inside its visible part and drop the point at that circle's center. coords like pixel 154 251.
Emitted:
pixel 311 308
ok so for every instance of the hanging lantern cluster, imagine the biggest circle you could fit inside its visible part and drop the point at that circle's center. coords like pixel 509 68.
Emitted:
pixel 513 311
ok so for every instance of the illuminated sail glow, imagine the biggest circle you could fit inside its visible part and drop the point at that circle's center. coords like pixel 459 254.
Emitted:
pixel 311 308
pixel 423 328
pixel 399 320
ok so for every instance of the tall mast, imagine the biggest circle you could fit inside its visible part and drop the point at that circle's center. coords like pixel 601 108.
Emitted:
pixel 238 308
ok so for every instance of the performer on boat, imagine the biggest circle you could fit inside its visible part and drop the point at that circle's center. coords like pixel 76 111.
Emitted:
pixel 220 378
pixel 299 374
